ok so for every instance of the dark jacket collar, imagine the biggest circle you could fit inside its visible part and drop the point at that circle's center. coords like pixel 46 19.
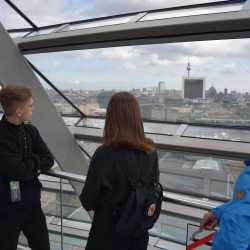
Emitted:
pixel 9 124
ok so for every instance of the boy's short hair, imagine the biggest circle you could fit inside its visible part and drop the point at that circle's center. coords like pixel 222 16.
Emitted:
pixel 12 96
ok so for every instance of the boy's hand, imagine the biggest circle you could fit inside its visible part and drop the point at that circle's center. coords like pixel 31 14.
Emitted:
pixel 209 221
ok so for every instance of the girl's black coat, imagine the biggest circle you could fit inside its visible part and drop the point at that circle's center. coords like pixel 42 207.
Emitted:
pixel 107 186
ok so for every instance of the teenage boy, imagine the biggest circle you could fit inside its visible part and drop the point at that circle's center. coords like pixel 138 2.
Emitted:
pixel 23 156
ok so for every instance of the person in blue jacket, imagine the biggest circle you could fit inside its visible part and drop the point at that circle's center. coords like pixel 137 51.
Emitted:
pixel 233 217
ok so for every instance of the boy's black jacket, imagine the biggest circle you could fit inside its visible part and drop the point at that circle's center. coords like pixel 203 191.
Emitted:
pixel 23 155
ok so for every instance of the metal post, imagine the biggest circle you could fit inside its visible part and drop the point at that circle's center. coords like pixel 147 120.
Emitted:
pixel 61 212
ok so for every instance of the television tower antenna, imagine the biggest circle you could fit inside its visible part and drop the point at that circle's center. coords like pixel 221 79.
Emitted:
pixel 188 68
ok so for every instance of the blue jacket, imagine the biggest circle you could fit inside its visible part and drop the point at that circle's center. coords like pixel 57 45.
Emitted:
pixel 234 217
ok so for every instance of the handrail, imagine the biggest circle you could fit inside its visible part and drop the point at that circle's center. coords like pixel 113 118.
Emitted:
pixel 168 196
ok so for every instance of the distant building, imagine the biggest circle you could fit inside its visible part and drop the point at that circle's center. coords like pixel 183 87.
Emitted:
pixel 103 98
pixel 161 87
pixel 211 93
pixel 158 112
pixel 146 110
pixel 173 102
pixel 174 93
pixel 65 108
pixel 178 114
pixel 193 88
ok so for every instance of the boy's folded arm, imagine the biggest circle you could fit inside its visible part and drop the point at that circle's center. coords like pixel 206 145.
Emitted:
pixel 42 155
pixel 14 168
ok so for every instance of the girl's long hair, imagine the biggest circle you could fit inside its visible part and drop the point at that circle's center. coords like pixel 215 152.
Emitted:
pixel 123 125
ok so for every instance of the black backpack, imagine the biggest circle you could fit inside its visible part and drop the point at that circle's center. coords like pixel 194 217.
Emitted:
pixel 133 218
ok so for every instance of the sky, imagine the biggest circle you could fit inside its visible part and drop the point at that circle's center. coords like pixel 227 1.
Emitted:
pixel 223 64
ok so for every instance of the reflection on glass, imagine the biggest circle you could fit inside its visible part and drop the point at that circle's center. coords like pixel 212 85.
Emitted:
pixel 89 146
pixel 189 173
pixel 192 12
pixel 107 22
pixel 78 26
pixel 41 32
pixel 18 34
pixel 218 133
pixel 166 129
pixel 205 176
pixel 70 121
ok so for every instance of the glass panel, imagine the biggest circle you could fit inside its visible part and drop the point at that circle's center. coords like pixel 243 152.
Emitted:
pixel 76 221
pixel 192 12
pixel 198 175
pixel 190 173
pixel 218 133
pixel 89 146
pixel 101 23
pixel 56 201
pixel 171 227
pixel 62 106
pixel 158 128
pixel 70 121
pixel 190 82
pixel 18 34
pixel 42 32
pixel 65 11
pixel 10 19
pixel 92 123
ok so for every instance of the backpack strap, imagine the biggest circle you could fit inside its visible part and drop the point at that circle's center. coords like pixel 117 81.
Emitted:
pixel 137 178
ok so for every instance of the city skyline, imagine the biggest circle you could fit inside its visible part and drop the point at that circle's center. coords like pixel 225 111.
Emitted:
pixel 152 88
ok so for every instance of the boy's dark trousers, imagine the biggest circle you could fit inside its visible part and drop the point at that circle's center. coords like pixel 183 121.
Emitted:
pixel 31 221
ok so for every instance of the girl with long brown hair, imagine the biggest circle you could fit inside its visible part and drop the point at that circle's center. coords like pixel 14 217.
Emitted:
pixel 125 148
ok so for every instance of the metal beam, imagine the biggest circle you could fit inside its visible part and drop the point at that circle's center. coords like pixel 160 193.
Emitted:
pixel 229 25
pixel 216 148
pixel 15 70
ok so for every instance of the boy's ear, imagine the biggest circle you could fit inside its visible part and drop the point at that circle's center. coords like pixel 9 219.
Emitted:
pixel 1 86
pixel 19 112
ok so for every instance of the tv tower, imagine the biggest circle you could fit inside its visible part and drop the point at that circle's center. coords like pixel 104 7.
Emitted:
pixel 188 68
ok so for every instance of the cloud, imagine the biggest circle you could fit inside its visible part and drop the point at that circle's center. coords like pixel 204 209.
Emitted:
pixel 10 19
pixel 76 82
pixel 200 53
pixel 119 53
pixel 229 68
pixel 156 60
pixel 44 12
pixel 130 66
pixel 111 7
